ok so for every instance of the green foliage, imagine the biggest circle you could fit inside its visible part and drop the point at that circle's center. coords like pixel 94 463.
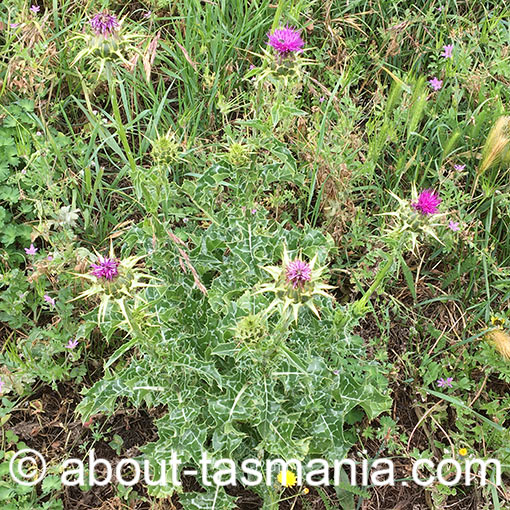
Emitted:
pixel 288 393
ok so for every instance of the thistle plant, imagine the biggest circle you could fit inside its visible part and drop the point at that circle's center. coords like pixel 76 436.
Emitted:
pixel 295 284
pixel 282 63
pixel 117 281
pixel 105 41
pixel 281 75
pixel 108 45
pixel 415 219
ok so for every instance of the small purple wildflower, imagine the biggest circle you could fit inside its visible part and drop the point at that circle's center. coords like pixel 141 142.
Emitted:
pixel 107 268
pixel 447 51
pixel 298 272
pixel 71 344
pixel 286 40
pixel 104 24
pixel 427 203
pixel 443 383
pixel 147 14
pixel 49 300
pixel 252 66
pixel 35 9
pixel 50 257
pixel 32 250
pixel 459 168
pixel 454 225
pixel 336 372
pixel 254 211
pixel 322 99
pixel 2 384
pixel 14 25
pixel 436 84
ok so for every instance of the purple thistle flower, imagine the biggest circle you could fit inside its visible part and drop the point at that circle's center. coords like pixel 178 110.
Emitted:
pixel 459 168
pixel 31 251
pixel 286 40
pixel 35 9
pixel 454 225
pixel 298 272
pixel 104 24
pixel 436 84
pixel 49 300
pixel 443 383
pixel 447 53
pixel 427 203
pixel 71 344
pixel 107 268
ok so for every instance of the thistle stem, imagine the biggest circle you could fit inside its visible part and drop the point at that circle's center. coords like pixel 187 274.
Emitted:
pixel 360 305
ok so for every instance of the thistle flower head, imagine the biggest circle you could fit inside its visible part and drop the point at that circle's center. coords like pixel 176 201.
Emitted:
pixel 298 272
pixel 251 328
pixel 415 220
pixel 238 154
pixel 107 268
pixel 427 203
pixel 104 23
pixel 295 284
pixel 116 281
pixel 285 40
pixel 165 149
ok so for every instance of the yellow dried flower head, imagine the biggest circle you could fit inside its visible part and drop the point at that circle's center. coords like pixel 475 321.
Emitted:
pixel 500 339
pixel 497 146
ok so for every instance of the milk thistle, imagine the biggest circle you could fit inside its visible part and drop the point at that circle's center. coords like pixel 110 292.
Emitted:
pixel 298 272
pixel 104 24
pixel 107 268
pixel 286 41
pixel 295 284
pixel 427 203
